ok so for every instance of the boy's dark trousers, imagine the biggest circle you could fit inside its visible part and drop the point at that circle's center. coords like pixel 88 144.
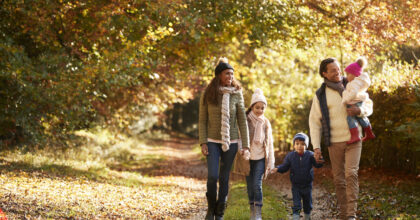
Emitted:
pixel 302 193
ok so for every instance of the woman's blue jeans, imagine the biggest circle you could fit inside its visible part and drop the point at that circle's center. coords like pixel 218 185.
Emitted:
pixel 254 181
pixel 215 158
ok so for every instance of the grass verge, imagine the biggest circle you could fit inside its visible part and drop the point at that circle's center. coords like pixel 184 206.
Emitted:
pixel 238 207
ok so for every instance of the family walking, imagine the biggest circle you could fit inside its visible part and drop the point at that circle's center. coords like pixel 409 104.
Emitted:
pixel 227 129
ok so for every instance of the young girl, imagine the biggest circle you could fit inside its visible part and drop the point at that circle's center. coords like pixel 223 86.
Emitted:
pixel 260 153
pixel 355 94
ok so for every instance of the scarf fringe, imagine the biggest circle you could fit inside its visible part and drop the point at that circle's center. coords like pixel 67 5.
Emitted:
pixel 225 130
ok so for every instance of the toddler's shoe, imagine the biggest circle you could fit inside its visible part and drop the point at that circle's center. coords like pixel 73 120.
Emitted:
pixel 354 132
pixel 368 133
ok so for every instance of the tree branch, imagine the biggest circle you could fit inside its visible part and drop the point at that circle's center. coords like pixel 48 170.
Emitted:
pixel 330 14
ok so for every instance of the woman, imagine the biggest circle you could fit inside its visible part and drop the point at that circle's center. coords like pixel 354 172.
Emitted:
pixel 222 112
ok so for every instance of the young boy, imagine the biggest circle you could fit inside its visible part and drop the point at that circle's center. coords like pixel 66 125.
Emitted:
pixel 300 163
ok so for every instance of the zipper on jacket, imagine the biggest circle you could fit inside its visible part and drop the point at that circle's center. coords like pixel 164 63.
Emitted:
pixel 300 160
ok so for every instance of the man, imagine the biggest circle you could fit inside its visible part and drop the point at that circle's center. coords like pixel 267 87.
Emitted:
pixel 328 119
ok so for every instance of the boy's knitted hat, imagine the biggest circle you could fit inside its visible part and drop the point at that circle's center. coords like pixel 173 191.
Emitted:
pixel 258 96
pixel 356 67
pixel 301 136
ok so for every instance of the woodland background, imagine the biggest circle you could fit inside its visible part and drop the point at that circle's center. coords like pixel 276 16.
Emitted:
pixel 131 66
pixel 99 102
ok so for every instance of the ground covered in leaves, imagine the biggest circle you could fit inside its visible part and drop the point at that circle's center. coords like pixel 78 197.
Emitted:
pixel 384 194
pixel 111 176
pixel 128 179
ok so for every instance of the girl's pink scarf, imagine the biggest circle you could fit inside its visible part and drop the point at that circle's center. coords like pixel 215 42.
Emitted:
pixel 258 123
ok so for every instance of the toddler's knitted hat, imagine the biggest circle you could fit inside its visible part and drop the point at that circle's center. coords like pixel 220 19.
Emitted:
pixel 356 67
pixel 258 96
pixel 303 137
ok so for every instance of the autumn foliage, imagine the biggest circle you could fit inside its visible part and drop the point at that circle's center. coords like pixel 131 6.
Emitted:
pixel 72 65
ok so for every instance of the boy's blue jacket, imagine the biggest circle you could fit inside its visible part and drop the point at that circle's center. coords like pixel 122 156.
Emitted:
pixel 301 171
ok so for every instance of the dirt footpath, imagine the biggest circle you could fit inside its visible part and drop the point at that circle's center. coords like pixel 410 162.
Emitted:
pixel 322 201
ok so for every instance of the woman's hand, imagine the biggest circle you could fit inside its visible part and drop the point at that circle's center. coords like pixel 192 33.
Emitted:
pixel 245 153
pixel 204 149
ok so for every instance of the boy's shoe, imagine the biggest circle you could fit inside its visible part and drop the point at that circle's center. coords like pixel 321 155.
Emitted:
pixel 368 133
pixel 307 216
pixel 295 217
pixel 354 132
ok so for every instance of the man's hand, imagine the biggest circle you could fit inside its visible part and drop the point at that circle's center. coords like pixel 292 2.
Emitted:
pixel 320 160
pixel 204 149
pixel 317 154
pixel 353 111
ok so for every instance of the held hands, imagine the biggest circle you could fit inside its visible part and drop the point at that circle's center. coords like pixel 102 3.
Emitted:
pixel 245 153
pixel 320 160
pixel 274 170
pixel 204 149
pixel 318 156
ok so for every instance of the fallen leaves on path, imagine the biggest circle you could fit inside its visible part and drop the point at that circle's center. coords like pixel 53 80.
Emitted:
pixel 37 194
pixel 34 193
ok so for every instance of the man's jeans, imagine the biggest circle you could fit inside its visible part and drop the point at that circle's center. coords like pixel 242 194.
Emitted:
pixel 254 181
pixel 345 165
pixel 226 160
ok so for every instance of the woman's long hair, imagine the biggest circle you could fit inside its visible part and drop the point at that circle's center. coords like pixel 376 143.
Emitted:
pixel 211 93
